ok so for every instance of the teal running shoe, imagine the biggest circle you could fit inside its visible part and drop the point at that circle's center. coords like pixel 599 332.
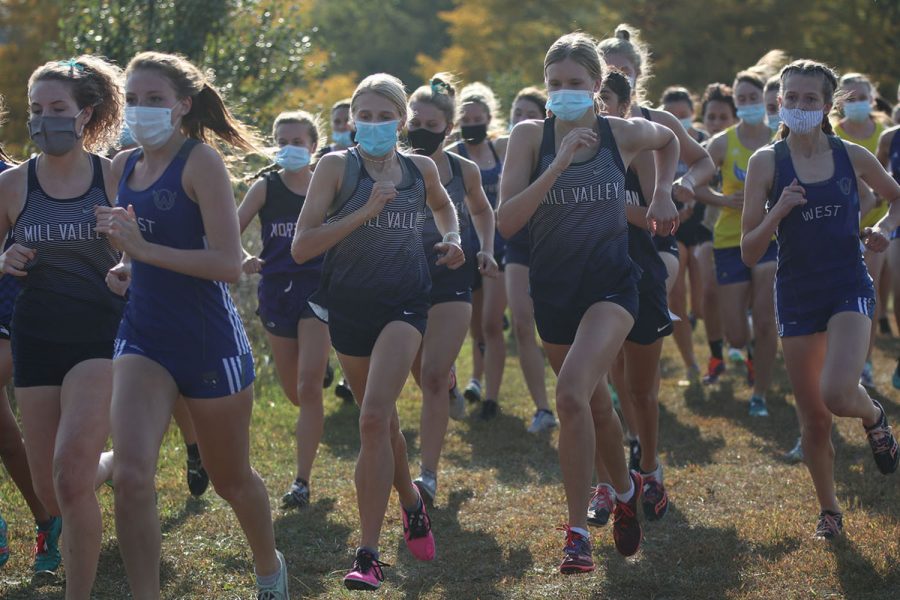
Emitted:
pixel 46 549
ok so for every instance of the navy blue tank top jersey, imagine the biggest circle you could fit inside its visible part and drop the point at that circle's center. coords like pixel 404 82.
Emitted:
pixel 578 234
pixel 894 155
pixel 168 312
pixel 664 241
pixel 278 220
pixel 490 182
pixel 9 285
pixel 380 264
pixel 456 189
pixel 641 248
pixel 819 252
pixel 64 296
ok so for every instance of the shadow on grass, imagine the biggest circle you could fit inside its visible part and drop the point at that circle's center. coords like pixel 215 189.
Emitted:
pixel 341 433
pixel 681 559
pixel 685 444
pixel 475 553
pixel 504 445
pixel 730 400
pixel 858 576
pixel 313 545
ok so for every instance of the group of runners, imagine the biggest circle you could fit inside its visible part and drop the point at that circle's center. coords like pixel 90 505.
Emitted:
pixel 766 212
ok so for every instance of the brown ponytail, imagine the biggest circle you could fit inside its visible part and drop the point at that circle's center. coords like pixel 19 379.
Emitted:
pixel 209 114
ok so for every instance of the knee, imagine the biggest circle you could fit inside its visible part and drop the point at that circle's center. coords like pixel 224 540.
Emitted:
pixel 493 327
pixel 524 330
pixel 569 404
pixel 764 324
pixel 232 485
pixel 837 394
pixel 816 428
pixel 71 485
pixel 434 381
pixel 309 392
pixel 374 424
pixel 132 479
pixel 643 398
pixel 11 445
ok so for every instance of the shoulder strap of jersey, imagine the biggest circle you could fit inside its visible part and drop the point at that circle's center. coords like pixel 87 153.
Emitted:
pixel 783 166
pixel 645 112
pixel 350 180
pixel 494 152
pixel 608 140
pixel 186 148
pixel 455 168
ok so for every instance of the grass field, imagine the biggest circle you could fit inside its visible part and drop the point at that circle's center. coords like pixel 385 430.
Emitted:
pixel 739 525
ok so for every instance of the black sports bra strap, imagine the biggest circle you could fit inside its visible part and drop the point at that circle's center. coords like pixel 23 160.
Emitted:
pixel 493 151
pixel 185 150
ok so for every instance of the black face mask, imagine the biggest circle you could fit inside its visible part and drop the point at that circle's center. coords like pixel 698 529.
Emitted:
pixel 474 134
pixel 425 142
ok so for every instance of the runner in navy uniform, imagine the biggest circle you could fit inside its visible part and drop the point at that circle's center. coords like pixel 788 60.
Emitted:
pixel 181 334
pixel 565 179
pixel 64 320
pixel 804 190
pixel 889 156
pixel 636 373
pixel 479 112
pixel 530 103
pixel 628 53
pixel 432 110
pixel 366 208
pixel 12 448
pixel 299 341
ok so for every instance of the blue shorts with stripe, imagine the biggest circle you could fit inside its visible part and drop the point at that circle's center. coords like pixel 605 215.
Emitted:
pixel 807 320
pixel 195 377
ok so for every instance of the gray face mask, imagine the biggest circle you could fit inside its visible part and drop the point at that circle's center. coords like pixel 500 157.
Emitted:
pixel 54 135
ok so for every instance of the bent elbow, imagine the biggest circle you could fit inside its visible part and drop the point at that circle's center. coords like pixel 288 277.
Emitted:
pixel 503 226
pixel 748 257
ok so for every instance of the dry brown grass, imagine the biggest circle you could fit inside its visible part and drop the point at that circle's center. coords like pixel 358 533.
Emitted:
pixel 739 526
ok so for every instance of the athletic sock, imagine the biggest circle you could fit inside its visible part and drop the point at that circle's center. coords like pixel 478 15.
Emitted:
pixel 269 580
pixel 371 551
pixel 627 495
pixel 302 482
pixel 582 532
pixel 715 348
pixel 45 525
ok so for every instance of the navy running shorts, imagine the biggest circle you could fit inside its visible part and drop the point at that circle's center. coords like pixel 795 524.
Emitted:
pixel 283 301
pixel 806 320
pixel 730 268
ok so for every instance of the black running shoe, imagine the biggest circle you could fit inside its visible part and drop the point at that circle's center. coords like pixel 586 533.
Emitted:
pixel 830 525
pixel 489 410
pixel 343 391
pixel 634 455
pixel 197 478
pixel 297 496
pixel 883 444
pixel 627 532
pixel 329 376
pixel 884 326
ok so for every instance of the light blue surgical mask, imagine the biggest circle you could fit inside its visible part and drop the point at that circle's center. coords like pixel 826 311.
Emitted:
pixel 342 138
pixel 292 158
pixel 570 105
pixel 687 123
pixel 376 139
pixel 752 114
pixel 858 111
pixel 773 121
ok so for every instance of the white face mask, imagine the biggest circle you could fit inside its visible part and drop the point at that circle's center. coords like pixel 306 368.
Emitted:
pixel 801 121
pixel 150 127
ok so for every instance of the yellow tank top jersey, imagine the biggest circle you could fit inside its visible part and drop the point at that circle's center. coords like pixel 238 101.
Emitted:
pixel 871 144
pixel 727 231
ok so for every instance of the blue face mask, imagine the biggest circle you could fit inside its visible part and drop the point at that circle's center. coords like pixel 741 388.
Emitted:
pixel 752 114
pixel 687 123
pixel 858 111
pixel 569 105
pixel 376 139
pixel 773 121
pixel 292 158
pixel 342 138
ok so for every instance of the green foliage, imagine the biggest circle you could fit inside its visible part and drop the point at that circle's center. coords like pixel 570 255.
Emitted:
pixel 371 36
pixel 256 48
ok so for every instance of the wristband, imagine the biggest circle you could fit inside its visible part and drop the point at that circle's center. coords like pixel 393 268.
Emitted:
pixel 452 237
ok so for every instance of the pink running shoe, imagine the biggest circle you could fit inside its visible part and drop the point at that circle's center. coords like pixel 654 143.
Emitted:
pixel 366 573
pixel 417 531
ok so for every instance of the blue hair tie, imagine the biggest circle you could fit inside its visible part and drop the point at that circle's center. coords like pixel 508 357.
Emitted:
pixel 439 87
pixel 72 64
